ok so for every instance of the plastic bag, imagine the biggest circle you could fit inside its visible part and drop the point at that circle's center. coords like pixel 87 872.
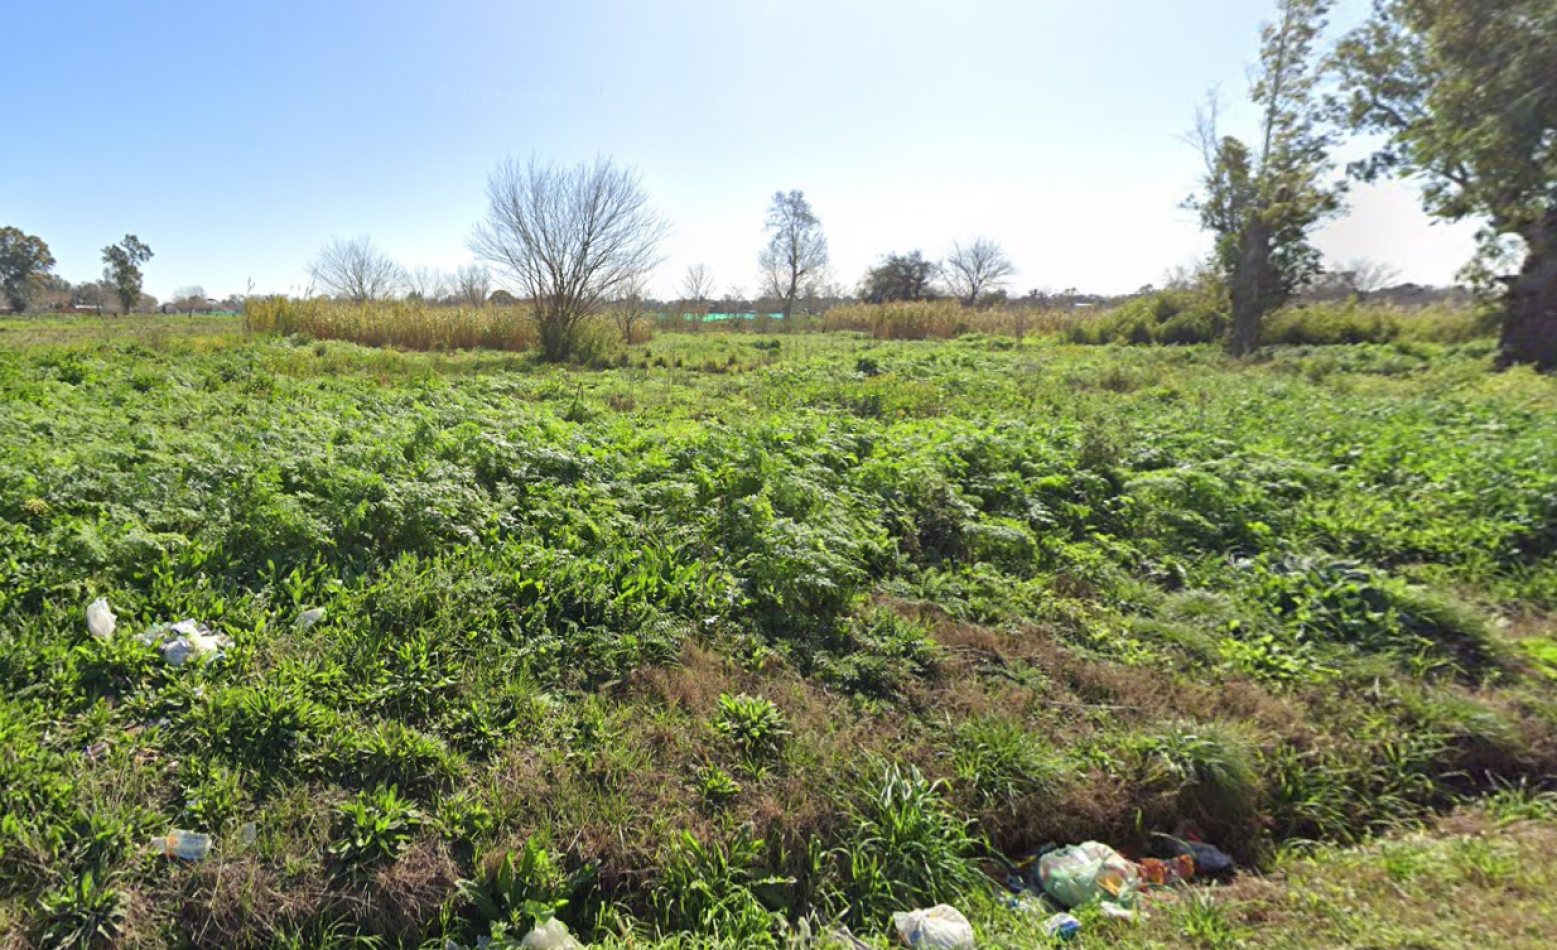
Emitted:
pixel 1209 860
pixel 551 935
pixel 100 619
pixel 186 640
pixel 1088 872
pixel 940 928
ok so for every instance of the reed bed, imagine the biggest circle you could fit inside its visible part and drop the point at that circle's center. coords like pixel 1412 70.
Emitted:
pixel 401 324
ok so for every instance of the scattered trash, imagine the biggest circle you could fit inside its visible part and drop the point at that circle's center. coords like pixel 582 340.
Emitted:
pixel 942 927
pixel 1027 902
pixel 247 834
pixel 100 619
pixel 551 935
pixel 1111 909
pixel 97 750
pixel 846 937
pixel 1088 872
pixel 1175 870
pixel 1210 861
pixel 184 845
pixel 309 617
pixel 1063 926
pixel 186 640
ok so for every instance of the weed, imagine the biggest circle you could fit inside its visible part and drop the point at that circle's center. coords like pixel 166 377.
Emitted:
pixel 715 786
pixel 906 847
pixel 716 890
pixel 519 894
pixel 1211 766
pixel 376 826
pixel 82 916
pixel 1002 762
pixel 754 725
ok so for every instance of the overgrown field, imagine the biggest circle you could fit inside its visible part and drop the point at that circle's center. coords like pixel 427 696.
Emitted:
pixel 747 629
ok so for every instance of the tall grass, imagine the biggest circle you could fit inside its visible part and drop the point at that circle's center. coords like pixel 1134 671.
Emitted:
pixel 941 320
pixel 406 325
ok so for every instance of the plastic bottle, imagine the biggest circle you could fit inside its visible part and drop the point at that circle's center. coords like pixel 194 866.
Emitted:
pixel 184 845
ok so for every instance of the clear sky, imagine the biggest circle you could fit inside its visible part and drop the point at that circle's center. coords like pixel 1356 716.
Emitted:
pixel 237 137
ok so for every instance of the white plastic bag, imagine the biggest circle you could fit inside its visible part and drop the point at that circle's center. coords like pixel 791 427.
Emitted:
pixel 100 619
pixel 552 935
pixel 1088 872
pixel 939 928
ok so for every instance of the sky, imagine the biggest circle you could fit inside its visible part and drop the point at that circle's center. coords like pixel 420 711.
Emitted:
pixel 237 138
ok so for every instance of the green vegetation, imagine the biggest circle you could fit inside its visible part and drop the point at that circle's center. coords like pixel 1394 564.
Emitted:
pixel 743 629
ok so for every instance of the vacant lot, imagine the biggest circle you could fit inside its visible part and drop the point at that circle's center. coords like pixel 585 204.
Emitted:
pixel 747 626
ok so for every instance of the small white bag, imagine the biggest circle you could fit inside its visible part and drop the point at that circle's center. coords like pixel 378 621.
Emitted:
pixel 939 928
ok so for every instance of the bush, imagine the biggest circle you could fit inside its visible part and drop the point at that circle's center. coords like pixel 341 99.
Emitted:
pixel 1177 317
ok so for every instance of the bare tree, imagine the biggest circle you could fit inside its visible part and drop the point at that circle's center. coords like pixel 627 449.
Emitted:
pixel 796 256
pixel 472 283
pixel 569 238
pixel 190 298
pixel 977 268
pixel 629 311
pixel 357 270
pixel 427 283
pixel 698 285
pixel 1367 276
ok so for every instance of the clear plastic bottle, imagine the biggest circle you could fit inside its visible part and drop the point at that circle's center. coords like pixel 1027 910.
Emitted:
pixel 184 845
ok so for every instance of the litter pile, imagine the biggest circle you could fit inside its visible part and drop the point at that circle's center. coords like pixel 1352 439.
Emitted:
pixel 1057 880
pixel 177 642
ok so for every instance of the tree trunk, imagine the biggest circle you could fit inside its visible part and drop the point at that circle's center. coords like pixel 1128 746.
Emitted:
pixel 1530 320
pixel 1251 282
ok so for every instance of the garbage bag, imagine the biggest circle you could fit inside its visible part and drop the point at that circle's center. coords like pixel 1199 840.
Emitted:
pixel 1210 861
pixel 551 935
pixel 940 928
pixel 100 619
pixel 1088 872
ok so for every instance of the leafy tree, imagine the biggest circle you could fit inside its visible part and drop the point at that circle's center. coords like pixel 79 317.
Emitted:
pixel 1466 93
pixel 25 263
pixel 122 268
pixel 795 259
pixel 1261 202
pixel 572 238
pixel 899 277
pixel 977 268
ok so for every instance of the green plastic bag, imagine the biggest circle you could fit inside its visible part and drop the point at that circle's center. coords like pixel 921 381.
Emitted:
pixel 1082 874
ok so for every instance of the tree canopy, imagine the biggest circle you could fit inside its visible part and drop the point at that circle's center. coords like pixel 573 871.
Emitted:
pixel 1261 201
pixel 795 258
pixel 122 268
pixel 1465 94
pixel 900 277
pixel 25 262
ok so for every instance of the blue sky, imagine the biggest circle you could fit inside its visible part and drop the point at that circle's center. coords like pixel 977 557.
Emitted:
pixel 237 137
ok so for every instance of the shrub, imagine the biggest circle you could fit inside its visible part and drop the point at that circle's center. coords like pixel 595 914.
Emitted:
pixel 1178 317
